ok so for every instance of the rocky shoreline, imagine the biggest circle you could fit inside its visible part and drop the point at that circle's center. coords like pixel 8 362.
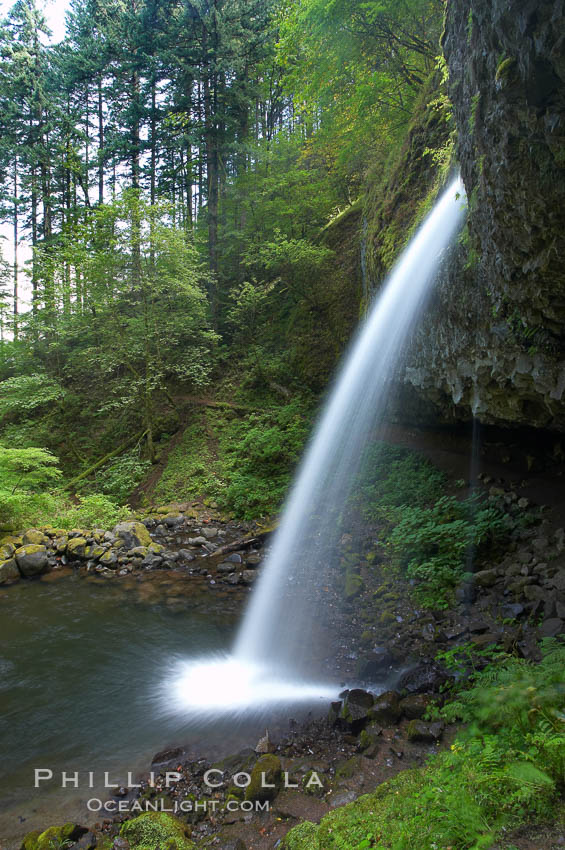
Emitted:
pixel 223 551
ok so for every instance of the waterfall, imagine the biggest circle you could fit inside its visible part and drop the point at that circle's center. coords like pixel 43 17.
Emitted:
pixel 277 625
pixel 272 660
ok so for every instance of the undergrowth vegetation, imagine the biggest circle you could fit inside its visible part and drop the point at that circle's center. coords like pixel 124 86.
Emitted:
pixel 31 494
pixel 433 537
pixel 242 463
pixel 507 767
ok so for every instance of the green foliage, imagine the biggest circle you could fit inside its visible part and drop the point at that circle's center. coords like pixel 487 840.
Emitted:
pixel 392 476
pixel 188 472
pixel 506 768
pixel 433 544
pixel 259 456
pixel 244 462
pixel 27 469
pixel 25 478
pixel 92 511
pixel 119 477
pixel 24 394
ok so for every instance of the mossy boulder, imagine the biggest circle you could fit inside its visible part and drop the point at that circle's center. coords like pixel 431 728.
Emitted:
pixel 76 547
pixel 94 552
pixel 9 571
pixel 33 535
pixel 266 772
pixel 31 559
pixel 157 829
pixel 10 538
pixel 6 551
pixel 61 544
pixel 109 559
pixel 53 837
pixel 132 534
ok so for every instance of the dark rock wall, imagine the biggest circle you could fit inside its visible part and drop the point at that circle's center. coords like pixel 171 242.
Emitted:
pixel 495 342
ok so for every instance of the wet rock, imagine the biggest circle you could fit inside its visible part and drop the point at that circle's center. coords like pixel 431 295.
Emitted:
pixel 414 707
pixel 138 552
pixel 551 627
pixel 31 559
pixel 88 842
pixel 386 709
pixel 293 804
pixel 485 578
pixel 424 678
pixel 253 560
pixel 248 576
pixel 466 593
pixel 426 733
pixel 342 798
pixel 164 756
pixel 375 664
pixel 484 639
pixel 235 558
pixel 132 534
pixel 9 571
pixel 370 740
pixel 197 541
pixel 173 520
pixel 209 533
pixel 6 551
pixel 225 567
pixel 355 708
pixel 186 555
pixel 511 610
pixel 335 711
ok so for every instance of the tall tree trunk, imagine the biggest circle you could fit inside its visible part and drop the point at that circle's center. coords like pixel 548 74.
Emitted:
pixel 100 143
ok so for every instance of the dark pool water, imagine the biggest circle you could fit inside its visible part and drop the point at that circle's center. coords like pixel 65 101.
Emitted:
pixel 80 663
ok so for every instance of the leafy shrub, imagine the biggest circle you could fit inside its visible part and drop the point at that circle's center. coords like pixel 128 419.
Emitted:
pixel 392 476
pixel 93 511
pixel 118 478
pixel 433 544
pixel 259 456
pixel 25 478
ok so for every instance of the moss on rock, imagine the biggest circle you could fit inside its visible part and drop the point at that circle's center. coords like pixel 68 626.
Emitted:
pixel 266 772
pixel 76 547
pixel 53 837
pixel 157 829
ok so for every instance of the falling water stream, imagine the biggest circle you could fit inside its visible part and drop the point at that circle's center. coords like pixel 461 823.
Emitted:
pixel 271 658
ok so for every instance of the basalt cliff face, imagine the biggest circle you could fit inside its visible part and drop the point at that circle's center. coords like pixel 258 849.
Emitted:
pixel 494 344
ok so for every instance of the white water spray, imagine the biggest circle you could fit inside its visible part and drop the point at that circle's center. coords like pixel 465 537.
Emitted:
pixel 273 652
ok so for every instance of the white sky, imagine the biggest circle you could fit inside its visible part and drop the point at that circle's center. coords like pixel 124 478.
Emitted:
pixel 54 11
